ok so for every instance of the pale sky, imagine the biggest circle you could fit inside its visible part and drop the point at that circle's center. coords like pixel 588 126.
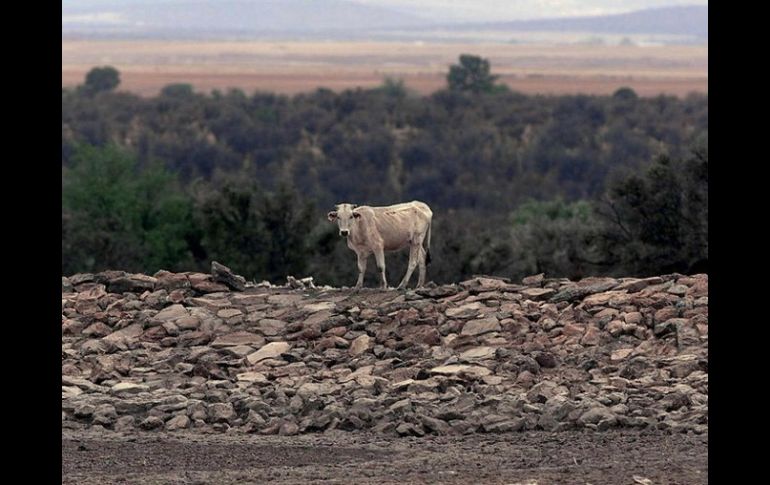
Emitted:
pixel 502 10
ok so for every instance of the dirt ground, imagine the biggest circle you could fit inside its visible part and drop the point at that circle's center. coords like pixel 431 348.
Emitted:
pixel 614 457
pixel 292 67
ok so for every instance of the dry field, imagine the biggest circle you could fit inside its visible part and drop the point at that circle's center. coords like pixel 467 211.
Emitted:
pixel 292 67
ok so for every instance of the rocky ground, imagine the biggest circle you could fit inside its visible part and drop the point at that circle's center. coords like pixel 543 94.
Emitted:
pixel 600 361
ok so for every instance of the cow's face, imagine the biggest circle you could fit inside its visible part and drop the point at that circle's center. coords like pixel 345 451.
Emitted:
pixel 345 217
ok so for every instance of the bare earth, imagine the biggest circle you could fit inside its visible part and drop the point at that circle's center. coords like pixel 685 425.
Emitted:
pixel 567 457
pixel 292 67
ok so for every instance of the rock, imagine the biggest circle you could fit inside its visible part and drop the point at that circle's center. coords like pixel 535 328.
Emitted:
pixel 221 413
pixel 96 330
pixel 152 422
pixel 268 351
pixel 464 311
pixel 481 326
pixel 592 336
pixel 678 290
pixel 135 283
pixel 452 370
pixel 128 388
pixel 546 360
pixel 316 389
pixel 178 422
pixel 288 429
pixel 81 278
pixel 604 298
pixel 620 354
pixel 170 314
pixel 222 274
pixel 505 426
pixel 484 356
pixel 595 415
pixel 360 344
pixel 422 334
pixel 124 424
pixel 687 334
pixel 535 280
pixel 84 411
pixel 229 313
pixel 252 377
pixel 409 429
pixel 478 353
pixel 545 390
pixel 537 294
pixel 239 338
pixel 436 426
pixel 271 327
pixel 583 289
pixel 634 318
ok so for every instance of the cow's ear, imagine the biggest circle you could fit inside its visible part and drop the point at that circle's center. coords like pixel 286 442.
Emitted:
pixel 331 216
pixel 356 215
pixel 353 206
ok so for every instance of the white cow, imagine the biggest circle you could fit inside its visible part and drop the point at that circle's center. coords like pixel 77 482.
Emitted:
pixel 379 229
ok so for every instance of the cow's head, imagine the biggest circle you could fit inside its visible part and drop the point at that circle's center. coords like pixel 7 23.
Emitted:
pixel 345 216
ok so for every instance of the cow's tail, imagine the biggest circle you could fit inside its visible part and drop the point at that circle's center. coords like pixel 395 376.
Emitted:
pixel 427 250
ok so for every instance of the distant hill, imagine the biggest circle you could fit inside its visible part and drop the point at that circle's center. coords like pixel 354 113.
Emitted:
pixel 340 19
pixel 686 20
pixel 227 16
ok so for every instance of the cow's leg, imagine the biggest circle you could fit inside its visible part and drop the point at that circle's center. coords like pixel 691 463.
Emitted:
pixel 413 254
pixel 362 257
pixel 379 257
pixel 421 263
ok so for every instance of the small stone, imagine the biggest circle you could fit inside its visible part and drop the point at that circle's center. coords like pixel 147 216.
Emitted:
pixel 152 422
pixel 221 412
pixel 534 280
pixel 474 370
pixel 478 353
pixel 252 377
pixel 178 422
pixel 360 345
pixel 537 294
pixel 239 338
pixel 481 326
pixel 128 388
pixel 620 354
pixel 269 351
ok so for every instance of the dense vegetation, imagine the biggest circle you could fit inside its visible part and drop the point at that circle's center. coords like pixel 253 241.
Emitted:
pixel 568 185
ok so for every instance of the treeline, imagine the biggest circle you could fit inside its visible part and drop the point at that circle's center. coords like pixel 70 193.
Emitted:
pixel 567 185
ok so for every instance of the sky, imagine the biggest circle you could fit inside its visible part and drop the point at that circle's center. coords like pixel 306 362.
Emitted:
pixel 502 10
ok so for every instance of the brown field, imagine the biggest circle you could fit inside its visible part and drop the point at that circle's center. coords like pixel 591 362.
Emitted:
pixel 292 67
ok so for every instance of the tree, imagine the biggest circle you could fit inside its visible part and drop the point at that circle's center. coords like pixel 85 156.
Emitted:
pixel 472 74
pixel 259 234
pixel 116 217
pixel 100 79
pixel 657 222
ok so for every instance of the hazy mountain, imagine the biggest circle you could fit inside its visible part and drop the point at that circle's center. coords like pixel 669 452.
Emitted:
pixel 228 16
pixel 340 19
pixel 682 20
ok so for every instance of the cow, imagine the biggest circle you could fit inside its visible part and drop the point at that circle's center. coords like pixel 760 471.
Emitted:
pixel 378 229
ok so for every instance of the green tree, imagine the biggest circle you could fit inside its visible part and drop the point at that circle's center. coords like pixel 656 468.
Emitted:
pixel 471 74
pixel 100 79
pixel 261 235
pixel 115 216
pixel 657 222
pixel 556 238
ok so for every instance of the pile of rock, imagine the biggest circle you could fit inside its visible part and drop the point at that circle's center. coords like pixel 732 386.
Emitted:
pixel 214 353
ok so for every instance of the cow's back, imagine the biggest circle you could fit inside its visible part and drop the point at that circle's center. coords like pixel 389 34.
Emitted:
pixel 398 224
